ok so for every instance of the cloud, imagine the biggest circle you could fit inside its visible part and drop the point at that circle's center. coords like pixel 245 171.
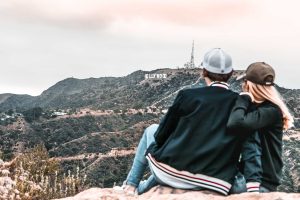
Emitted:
pixel 179 12
pixel 44 41
pixel 95 13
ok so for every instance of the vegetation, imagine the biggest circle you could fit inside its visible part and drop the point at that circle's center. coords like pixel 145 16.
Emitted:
pixel 34 176
pixel 32 114
pixel 291 169
pixel 110 171
pixel 80 141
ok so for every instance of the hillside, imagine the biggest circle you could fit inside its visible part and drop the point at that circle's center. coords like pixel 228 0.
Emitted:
pixel 131 91
pixel 106 93
pixel 5 96
pixel 99 138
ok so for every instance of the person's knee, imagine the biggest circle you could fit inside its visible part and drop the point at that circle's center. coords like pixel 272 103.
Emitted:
pixel 153 126
pixel 150 130
pixel 149 133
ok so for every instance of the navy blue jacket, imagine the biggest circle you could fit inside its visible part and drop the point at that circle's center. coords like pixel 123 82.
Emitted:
pixel 267 120
pixel 193 134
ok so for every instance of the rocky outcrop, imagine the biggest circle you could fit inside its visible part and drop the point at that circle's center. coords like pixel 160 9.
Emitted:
pixel 167 193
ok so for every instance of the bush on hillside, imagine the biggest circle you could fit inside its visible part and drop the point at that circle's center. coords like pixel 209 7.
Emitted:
pixel 32 114
pixel 34 176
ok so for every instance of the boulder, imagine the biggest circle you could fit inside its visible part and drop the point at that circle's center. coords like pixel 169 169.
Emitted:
pixel 167 193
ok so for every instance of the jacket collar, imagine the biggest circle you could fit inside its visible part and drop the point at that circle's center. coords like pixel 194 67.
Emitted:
pixel 219 84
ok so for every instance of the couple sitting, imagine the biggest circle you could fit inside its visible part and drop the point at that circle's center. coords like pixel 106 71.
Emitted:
pixel 212 136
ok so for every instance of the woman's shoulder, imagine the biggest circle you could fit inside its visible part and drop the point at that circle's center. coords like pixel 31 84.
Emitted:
pixel 272 107
pixel 268 103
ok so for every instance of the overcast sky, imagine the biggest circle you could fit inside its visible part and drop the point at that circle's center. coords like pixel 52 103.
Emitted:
pixel 45 41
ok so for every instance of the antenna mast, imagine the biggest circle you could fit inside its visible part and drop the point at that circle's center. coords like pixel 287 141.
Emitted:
pixel 192 63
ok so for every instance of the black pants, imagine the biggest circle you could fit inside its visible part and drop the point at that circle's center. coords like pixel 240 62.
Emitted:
pixel 239 186
pixel 250 168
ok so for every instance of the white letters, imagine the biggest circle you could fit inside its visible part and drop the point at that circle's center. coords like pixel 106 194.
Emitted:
pixel 155 76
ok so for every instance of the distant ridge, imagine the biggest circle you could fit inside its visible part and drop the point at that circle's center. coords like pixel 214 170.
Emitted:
pixel 4 96
pixel 131 91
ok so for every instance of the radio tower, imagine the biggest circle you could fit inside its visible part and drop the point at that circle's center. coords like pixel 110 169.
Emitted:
pixel 192 63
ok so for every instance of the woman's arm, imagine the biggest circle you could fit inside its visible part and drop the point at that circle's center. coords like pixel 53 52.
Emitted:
pixel 260 117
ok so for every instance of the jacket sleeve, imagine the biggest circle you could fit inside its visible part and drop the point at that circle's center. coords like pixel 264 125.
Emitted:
pixel 260 117
pixel 169 122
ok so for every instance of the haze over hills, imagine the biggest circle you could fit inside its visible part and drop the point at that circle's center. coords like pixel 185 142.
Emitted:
pixel 106 92
pixel 108 117
pixel 131 91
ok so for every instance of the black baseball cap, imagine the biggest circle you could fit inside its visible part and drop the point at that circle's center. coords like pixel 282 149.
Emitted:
pixel 259 73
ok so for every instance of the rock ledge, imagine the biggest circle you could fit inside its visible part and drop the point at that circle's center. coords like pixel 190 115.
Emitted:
pixel 166 193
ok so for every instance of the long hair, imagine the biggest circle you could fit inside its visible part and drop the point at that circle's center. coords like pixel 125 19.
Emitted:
pixel 263 92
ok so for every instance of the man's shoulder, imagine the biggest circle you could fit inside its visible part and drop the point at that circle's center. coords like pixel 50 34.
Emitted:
pixel 204 90
pixel 191 90
pixel 187 92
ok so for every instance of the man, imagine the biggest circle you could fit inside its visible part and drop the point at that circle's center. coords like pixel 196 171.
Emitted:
pixel 191 147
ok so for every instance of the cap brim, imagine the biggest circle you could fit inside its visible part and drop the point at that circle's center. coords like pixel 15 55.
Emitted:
pixel 241 77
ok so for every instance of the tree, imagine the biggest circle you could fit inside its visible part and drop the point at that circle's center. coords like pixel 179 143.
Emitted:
pixel 32 114
pixel 10 112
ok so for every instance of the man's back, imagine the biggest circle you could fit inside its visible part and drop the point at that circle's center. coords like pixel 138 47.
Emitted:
pixel 193 135
pixel 191 148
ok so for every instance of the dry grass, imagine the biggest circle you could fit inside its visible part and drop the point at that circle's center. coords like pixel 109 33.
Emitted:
pixel 34 176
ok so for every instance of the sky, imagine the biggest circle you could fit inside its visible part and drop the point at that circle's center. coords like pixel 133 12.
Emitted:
pixel 45 41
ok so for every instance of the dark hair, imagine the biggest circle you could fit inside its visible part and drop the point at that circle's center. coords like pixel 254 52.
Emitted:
pixel 217 77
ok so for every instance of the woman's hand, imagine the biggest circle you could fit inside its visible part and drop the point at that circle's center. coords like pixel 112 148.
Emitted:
pixel 245 86
pixel 245 90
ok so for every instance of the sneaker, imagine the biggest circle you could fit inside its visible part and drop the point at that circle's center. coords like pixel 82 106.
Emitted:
pixel 119 189
pixel 126 189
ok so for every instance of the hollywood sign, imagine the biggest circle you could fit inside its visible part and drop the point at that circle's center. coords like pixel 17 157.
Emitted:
pixel 148 76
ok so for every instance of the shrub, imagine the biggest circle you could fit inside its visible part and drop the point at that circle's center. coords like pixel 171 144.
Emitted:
pixel 35 176
pixel 32 114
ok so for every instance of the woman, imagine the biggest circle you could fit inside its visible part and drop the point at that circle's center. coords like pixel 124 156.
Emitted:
pixel 260 108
